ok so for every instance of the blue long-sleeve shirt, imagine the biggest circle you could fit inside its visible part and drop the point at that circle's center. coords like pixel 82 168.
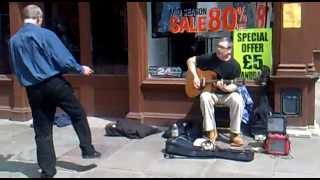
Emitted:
pixel 37 53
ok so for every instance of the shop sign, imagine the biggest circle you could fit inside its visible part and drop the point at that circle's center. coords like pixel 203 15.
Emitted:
pixel 213 19
pixel 252 48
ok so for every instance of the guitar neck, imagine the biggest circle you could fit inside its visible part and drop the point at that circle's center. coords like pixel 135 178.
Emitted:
pixel 216 80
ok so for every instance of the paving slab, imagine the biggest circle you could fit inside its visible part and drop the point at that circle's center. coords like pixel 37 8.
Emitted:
pixel 294 175
pixel 304 157
pixel 262 165
pixel 113 173
pixel 18 143
pixel 179 167
pixel 8 131
pixel 123 157
pixel 137 155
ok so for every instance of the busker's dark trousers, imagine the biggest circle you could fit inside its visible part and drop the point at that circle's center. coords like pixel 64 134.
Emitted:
pixel 44 98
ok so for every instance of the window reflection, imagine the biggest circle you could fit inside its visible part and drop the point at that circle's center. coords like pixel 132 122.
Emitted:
pixel 62 18
pixel 4 37
pixel 109 37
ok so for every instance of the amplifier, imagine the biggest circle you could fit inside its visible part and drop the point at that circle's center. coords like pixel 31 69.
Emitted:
pixel 277 144
pixel 277 123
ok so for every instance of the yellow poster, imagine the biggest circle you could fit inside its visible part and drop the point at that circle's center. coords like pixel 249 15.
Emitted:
pixel 291 15
pixel 252 48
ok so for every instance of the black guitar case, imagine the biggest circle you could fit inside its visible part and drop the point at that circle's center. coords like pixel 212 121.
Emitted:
pixel 182 146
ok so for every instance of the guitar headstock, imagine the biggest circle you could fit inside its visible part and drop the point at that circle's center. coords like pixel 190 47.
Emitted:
pixel 265 75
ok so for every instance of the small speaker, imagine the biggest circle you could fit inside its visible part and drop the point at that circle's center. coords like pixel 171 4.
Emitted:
pixel 277 144
pixel 291 101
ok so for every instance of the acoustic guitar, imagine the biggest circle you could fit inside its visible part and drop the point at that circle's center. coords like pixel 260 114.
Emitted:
pixel 208 81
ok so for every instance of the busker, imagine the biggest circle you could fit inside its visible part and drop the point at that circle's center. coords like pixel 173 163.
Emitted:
pixel 227 68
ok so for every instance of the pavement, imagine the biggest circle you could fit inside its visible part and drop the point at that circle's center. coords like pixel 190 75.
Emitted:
pixel 133 158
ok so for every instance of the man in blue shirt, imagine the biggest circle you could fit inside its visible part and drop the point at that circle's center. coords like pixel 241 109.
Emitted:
pixel 38 59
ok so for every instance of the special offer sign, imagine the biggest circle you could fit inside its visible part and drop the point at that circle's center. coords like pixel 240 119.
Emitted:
pixel 252 48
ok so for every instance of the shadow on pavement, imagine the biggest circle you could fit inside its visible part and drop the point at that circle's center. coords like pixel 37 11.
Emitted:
pixel 31 169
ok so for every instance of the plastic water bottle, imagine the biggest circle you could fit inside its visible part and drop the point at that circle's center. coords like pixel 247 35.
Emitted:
pixel 174 131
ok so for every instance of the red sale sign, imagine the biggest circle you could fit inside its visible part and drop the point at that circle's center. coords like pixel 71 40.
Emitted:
pixel 215 19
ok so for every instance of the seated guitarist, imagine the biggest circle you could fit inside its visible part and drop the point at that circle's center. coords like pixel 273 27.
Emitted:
pixel 226 67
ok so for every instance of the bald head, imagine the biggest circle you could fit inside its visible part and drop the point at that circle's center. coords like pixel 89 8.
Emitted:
pixel 225 41
pixel 32 12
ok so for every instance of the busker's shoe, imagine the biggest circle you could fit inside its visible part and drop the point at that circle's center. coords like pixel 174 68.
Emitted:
pixel 212 135
pixel 93 155
pixel 236 140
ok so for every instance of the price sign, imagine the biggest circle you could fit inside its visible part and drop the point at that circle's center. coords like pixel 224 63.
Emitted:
pixel 252 48
pixel 165 71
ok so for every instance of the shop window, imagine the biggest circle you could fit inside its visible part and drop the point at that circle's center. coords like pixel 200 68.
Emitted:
pixel 4 37
pixel 109 37
pixel 63 19
pixel 174 33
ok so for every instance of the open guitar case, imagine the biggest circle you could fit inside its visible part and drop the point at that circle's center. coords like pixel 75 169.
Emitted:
pixel 183 146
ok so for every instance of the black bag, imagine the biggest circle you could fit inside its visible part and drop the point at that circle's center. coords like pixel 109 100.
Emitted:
pixel 62 120
pixel 258 125
pixel 182 146
pixel 261 114
pixel 130 129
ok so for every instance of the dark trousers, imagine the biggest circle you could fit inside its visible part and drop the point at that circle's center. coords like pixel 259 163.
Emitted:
pixel 44 98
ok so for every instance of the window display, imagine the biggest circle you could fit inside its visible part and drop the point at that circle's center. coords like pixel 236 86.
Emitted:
pixel 179 30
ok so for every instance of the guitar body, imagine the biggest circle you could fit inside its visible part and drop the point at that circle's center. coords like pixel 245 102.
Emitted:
pixel 204 75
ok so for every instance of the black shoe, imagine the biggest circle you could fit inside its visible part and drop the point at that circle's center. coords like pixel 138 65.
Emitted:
pixel 44 175
pixel 95 154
